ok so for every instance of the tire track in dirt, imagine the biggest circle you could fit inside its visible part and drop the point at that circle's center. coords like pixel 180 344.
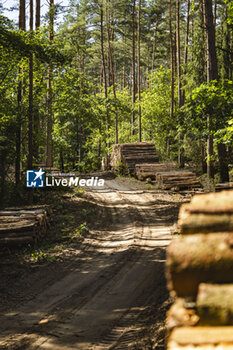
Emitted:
pixel 123 335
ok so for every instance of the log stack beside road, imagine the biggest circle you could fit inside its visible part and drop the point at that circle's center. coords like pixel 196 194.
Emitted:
pixel 167 176
pixel 200 275
pixel 179 179
pixel 150 170
pixel 127 155
pixel 23 226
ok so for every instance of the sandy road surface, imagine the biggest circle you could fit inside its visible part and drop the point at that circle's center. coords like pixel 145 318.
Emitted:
pixel 114 295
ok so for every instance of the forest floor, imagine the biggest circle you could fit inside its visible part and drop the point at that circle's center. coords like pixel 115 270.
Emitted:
pixel 105 287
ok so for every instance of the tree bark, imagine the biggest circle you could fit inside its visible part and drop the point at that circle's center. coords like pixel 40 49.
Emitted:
pixel 186 45
pixel 36 112
pixel 37 14
pixel 139 73
pixel 154 46
pixel 30 108
pixel 49 157
pixel 178 53
pixel 172 75
pixel 22 15
pixel 133 69
pixel 124 62
pixel 111 66
pixel 212 69
pixel 22 26
pixel 212 74
pixel 223 162
pixel 180 95
pixel 104 71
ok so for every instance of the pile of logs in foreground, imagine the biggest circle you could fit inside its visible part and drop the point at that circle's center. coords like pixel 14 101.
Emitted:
pixel 167 176
pixel 200 274
pixel 23 226
pixel 130 154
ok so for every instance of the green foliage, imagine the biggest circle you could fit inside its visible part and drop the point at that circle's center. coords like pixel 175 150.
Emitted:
pixel 156 109
pixel 230 10
pixel 21 44
pixel 214 99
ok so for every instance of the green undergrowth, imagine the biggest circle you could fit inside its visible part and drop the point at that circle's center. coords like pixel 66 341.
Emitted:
pixel 51 251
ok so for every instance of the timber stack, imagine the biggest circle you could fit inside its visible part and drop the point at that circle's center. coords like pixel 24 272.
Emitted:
pixel 148 170
pixel 180 179
pixel 23 226
pixel 125 156
pixel 200 275
pixel 167 176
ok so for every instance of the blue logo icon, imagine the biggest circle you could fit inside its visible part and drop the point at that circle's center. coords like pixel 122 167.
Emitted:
pixel 35 178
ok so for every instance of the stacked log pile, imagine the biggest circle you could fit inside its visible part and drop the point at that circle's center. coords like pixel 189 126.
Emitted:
pixel 150 170
pixel 180 179
pixel 22 226
pixel 200 275
pixel 127 155
pixel 224 186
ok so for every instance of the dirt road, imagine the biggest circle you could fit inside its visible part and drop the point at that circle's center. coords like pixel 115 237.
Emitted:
pixel 113 295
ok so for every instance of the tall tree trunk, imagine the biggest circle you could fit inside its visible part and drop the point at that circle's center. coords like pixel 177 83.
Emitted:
pixel 124 62
pixel 36 111
pixel 208 24
pixel 204 37
pixel 133 68
pixel 22 25
pixel 111 66
pixel 49 157
pixel 154 46
pixel 180 102
pixel 104 72
pixel 139 74
pixel 172 75
pixel 212 74
pixel 37 14
pixel 226 49
pixel 180 92
pixel 30 108
pixel 22 15
pixel 215 13
pixel 186 45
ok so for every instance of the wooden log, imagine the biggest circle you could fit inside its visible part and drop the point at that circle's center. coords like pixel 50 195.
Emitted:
pixel 180 179
pixel 193 259
pixel 31 207
pixel 22 212
pixel 24 225
pixel 32 233
pixel 151 170
pixel 203 220
pixel 17 224
pixel 131 154
pixel 214 304
pixel 16 241
pixel 201 338
pixel 19 218
pixel 221 202
pixel 224 186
